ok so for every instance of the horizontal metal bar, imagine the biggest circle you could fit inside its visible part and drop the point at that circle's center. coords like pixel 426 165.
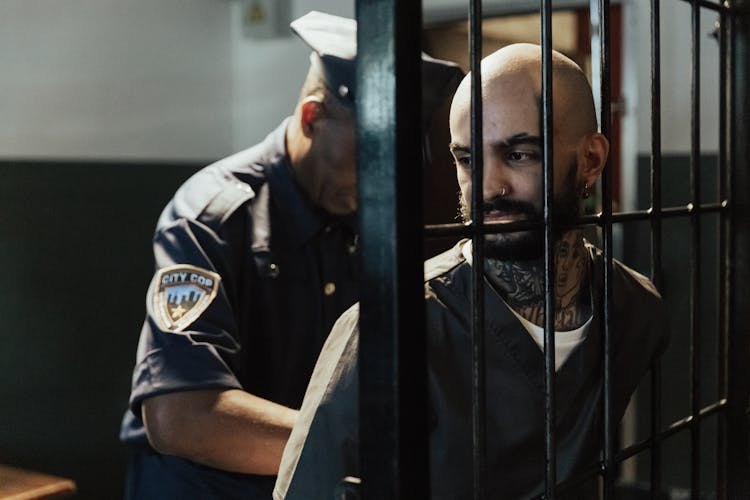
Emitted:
pixel 586 474
pixel 461 229
pixel 672 429
pixel 496 8
pixel 597 468
pixel 705 4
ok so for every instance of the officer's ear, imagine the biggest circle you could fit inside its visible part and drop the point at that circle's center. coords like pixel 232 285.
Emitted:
pixel 311 110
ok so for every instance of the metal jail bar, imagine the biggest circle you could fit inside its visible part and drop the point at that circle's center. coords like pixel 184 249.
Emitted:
pixel 608 466
pixel 695 257
pixel 738 383
pixel 478 396
pixel 721 491
pixel 393 372
pixel 385 462
pixel 547 125
pixel 656 241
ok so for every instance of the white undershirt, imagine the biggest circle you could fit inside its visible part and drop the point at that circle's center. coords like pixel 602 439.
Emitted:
pixel 565 341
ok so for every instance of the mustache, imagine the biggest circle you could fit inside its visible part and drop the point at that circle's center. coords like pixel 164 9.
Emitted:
pixel 509 206
pixel 497 203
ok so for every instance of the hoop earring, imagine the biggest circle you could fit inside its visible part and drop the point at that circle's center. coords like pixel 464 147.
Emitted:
pixel 586 193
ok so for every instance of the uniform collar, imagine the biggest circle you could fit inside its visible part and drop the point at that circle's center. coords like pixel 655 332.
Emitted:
pixel 298 221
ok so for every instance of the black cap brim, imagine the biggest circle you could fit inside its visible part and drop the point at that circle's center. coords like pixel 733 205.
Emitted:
pixel 333 40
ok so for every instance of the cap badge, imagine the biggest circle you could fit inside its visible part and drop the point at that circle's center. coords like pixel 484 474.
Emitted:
pixel 182 293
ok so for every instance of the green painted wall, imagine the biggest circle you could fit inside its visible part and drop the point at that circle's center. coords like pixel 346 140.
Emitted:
pixel 675 386
pixel 75 262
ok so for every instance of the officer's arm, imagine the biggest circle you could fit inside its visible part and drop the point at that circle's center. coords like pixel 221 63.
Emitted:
pixel 227 429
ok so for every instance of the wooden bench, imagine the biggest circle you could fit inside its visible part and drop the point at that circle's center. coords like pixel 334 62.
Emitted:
pixel 19 484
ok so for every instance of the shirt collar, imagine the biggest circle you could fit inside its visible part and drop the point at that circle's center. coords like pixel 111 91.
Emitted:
pixel 296 219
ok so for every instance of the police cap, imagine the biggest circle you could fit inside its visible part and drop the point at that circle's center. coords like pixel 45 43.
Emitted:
pixel 333 40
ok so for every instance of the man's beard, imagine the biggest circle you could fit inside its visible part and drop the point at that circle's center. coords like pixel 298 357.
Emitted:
pixel 527 244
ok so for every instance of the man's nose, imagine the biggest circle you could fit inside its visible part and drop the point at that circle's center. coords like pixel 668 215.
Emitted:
pixel 496 181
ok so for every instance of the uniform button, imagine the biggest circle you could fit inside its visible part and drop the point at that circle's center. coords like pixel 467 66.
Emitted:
pixel 327 229
pixel 329 288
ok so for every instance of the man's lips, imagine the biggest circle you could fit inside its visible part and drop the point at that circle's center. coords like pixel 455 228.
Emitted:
pixel 500 216
pixel 505 210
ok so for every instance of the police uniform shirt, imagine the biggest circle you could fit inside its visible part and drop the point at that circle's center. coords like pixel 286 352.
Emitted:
pixel 323 446
pixel 249 281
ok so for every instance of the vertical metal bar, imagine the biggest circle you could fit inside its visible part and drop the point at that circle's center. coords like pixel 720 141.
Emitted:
pixel 550 455
pixel 393 373
pixel 721 479
pixel 479 394
pixel 695 256
pixel 738 390
pixel 656 240
pixel 607 249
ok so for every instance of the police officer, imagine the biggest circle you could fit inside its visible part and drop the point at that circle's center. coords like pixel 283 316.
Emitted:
pixel 255 260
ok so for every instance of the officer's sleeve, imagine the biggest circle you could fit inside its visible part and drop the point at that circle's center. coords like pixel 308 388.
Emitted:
pixel 323 447
pixel 190 323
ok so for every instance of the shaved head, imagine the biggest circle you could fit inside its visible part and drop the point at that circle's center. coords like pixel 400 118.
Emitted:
pixel 517 69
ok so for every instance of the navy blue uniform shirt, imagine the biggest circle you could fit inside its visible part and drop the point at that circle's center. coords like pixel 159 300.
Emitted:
pixel 249 281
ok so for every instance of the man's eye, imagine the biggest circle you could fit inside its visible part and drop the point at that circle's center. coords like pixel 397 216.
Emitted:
pixel 520 156
pixel 464 161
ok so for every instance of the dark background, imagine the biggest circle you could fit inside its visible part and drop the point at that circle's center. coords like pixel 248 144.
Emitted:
pixel 75 259
pixel 675 288
pixel 76 262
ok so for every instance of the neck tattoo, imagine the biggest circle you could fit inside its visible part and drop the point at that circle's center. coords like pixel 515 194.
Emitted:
pixel 521 284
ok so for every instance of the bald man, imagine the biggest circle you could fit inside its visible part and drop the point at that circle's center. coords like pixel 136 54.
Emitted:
pixel 323 446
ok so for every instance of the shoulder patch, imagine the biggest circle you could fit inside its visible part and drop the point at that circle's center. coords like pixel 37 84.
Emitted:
pixel 181 294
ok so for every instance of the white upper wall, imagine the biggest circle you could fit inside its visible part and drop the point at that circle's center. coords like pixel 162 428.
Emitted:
pixel 267 74
pixel 675 77
pixel 676 63
pixel 178 79
pixel 114 79
pixel 143 79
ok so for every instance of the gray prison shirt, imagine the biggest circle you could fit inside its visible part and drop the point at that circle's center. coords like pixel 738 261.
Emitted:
pixel 323 447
